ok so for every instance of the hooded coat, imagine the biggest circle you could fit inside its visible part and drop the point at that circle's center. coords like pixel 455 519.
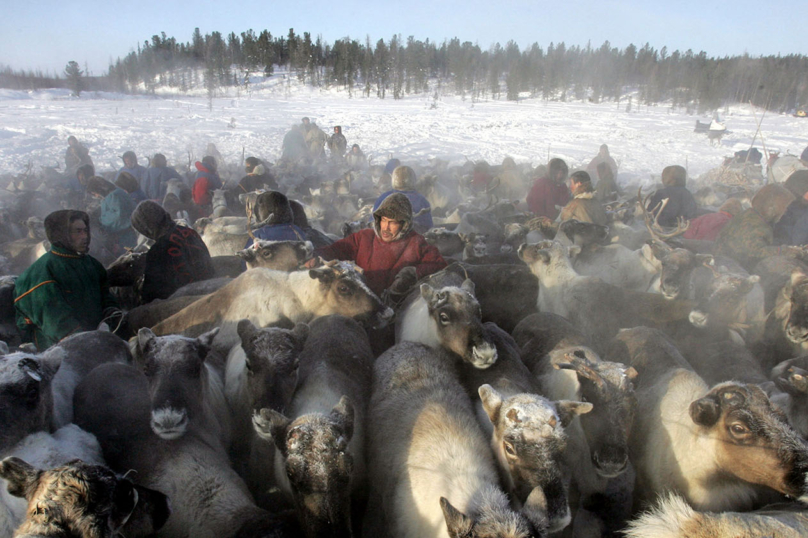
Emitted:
pixel 156 179
pixel 178 256
pixel 115 219
pixel 546 194
pixel 382 260
pixel 63 292
pixel 403 182
pixel 680 201
pixel 273 208
pixel 585 207
pixel 207 180
pixel 337 144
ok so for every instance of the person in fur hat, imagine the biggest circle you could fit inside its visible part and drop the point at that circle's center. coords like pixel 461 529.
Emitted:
pixel 116 213
pixel 583 206
pixel 177 257
pixel 550 191
pixel 792 228
pixel 393 255
pixel 257 178
pixel 274 214
pixel 749 237
pixel 65 291
pixel 131 166
pixel 403 181
pixel 680 201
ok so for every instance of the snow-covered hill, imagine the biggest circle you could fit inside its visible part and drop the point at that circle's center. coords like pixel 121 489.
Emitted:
pixel 35 125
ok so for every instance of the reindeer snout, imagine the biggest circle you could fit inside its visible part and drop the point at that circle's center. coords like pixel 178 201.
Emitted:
pixel 483 355
pixel 698 318
pixel 169 423
pixel 610 462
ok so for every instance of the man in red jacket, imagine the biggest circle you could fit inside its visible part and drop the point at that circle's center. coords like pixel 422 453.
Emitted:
pixel 550 191
pixel 392 254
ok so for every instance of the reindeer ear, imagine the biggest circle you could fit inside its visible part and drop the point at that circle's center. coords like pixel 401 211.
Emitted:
pixel 323 274
pixel 535 510
pixel 301 333
pixel 3 348
pixel 568 410
pixel 705 411
pixel 206 340
pixel 50 361
pixel 21 476
pixel 573 251
pixel 458 524
pixel 492 402
pixel 145 337
pixel 427 292
pixel 342 414
pixel 248 254
pixel 705 259
pixel 270 425
pixel 468 286
pixel 245 330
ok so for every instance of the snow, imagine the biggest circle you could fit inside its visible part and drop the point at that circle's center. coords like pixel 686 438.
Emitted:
pixel 34 125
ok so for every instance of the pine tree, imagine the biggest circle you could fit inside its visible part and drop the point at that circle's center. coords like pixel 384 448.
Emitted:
pixel 74 77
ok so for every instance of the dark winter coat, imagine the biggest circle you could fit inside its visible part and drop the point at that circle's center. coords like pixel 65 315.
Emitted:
pixel 156 179
pixel 680 204
pixel 707 227
pixel 423 221
pixel 792 228
pixel 382 261
pixel 747 238
pixel 337 144
pixel 205 183
pixel 545 195
pixel 60 294
pixel 177 258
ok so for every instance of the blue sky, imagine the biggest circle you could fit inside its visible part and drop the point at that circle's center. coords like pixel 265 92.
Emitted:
pixel 46 34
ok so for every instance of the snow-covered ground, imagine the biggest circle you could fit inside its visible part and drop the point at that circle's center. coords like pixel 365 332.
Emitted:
pixel 35 125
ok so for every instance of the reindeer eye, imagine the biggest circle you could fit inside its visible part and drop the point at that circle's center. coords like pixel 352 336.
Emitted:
pixel 509 450
pixel 444 318
pixel 343 289
pixel 738 429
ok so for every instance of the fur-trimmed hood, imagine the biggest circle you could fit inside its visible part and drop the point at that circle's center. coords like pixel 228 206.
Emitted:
pixel 57 226
pixel 151 220
pixel 397 207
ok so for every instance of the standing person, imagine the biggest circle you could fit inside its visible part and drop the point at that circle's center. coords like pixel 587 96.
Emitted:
pixel 65 291
pixel 337 144
pixel 157 176
pixel 403 181
pixel 602 157
pixel 392 254
pixel 116 214
pixel 131 166
pixel 294 148
pixel 680 201
pixel 583 206
pixel 550 192
pixel 178 256
pixel 207 180
pixel 315 140
pixel 76 155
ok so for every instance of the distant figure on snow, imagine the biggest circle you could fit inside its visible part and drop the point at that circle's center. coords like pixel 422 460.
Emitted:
pixel 337 144
pixel 76 155
pixel 602 157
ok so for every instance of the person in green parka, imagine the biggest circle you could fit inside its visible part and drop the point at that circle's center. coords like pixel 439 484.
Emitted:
pixel 65 291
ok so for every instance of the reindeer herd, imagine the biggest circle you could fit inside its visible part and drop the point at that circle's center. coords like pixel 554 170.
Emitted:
pixel 571 381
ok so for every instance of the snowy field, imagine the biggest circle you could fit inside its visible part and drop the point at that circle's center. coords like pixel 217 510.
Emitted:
pixel 34 126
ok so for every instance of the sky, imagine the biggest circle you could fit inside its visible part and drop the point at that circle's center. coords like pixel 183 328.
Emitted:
pixel 46 34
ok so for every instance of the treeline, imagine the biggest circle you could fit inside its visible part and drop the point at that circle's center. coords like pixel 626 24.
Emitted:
pixel 397 67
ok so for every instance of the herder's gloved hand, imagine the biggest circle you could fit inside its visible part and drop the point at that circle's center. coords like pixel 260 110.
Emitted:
pixel 405 279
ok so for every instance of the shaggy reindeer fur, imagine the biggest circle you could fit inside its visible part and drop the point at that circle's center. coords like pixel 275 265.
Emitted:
pixel 320 462
pixel 674 518
pixel 427 445
pixel 83 501
pixel 264 296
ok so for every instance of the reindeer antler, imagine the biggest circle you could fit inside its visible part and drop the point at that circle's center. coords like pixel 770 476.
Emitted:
pixel 653 226
pixel 249 229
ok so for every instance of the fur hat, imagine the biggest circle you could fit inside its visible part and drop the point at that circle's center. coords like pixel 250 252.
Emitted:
pixel 771 202
pixel 276 204
pixel 127 182
pixel 397 207
pixel 300 219
pixel 733 206
pixel 151 220
pixel 251 162
pixel 557 165
pixel 674 176
pixel 159 161
pixel 131 154
pixel 57 226
pixel 403 178
pixel 99 185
